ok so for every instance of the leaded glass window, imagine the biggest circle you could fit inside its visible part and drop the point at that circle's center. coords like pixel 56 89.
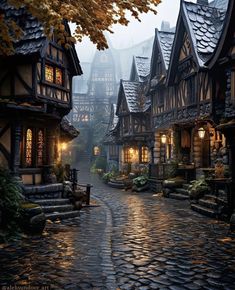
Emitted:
pixel 49 74
pixel 40 145
pixel 29 147
pixel 144 154
pixel 59 77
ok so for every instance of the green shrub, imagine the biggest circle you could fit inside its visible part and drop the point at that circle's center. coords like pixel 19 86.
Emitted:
pixel 10 200
pixel 140 181
pixel 107 176
pixel 198 188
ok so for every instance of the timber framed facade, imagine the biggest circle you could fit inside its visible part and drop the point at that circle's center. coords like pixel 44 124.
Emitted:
pixel 35 93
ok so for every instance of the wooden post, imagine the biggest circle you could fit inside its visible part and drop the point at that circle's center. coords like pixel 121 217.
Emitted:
pixel 88 193
pixel 16 131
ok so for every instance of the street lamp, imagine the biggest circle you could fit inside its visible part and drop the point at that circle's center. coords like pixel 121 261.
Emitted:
pixel 201 133
pixel 163 139
pixel 64 146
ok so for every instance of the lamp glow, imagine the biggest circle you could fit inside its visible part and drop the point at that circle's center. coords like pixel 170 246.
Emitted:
pixel 201 133
pixel 163 139
pixel 64 146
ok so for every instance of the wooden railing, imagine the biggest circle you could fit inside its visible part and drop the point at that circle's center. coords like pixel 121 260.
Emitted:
pixel 73 177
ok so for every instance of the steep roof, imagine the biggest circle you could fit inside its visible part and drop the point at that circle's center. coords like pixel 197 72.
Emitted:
pixel 136 101
pixel 226 39
pixel 142 67
pixel 68 131
pixel 221 4
pixel 205 25
pixel 113 121
pixel 165 41
pixel 33 39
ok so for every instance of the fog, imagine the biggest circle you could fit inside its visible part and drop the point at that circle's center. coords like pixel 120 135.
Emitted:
pixel 135 32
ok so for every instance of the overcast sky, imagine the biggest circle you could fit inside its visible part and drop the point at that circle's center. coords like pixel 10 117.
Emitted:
pixel 136 31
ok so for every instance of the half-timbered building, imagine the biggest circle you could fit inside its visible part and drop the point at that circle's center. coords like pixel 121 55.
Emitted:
pixel 184 111
pixel 133 110
pixel 222 65
pixel 35 94
pixel 110 141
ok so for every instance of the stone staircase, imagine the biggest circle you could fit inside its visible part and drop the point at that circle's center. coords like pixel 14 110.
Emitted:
pixel 211 205
pixel 180 193
pixel 57 208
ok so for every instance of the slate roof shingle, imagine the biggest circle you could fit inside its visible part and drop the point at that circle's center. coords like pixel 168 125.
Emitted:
pixel 166 42
pixel 133 97
pixel 142 67
pixel 68 129
pixel 206 24
pixel 221 4
pixel 33 38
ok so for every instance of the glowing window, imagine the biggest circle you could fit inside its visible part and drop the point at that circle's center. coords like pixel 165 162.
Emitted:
pixel 40 145
pixel 144 154
pixel 58 77
pixel 49 73
pixel 29 147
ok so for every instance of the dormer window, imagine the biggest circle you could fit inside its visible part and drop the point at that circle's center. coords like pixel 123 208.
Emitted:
pixel 53 75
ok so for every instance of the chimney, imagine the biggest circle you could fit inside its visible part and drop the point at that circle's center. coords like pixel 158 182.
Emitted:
pixel 165 26
pixel 203 2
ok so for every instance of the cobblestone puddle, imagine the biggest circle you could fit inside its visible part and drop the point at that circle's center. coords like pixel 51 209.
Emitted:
pixel 130 241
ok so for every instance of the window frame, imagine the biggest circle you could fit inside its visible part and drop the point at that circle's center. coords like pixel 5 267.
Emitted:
pixel 34 148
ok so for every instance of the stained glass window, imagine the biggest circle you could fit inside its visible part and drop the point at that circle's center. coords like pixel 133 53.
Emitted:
pixel 49 73
pixel 40 145
pixel 58 76
pixel 29 147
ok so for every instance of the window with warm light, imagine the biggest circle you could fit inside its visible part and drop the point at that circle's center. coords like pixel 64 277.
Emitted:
pixel 49 73
pixel 58 77
pixel 40 145
pixel 34 147
pixel 96 151
pixel 29 147
pixel 53 75
pixel 144 154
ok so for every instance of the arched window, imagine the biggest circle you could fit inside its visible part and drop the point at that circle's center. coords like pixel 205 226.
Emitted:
pixel 40 145
pixel 29 147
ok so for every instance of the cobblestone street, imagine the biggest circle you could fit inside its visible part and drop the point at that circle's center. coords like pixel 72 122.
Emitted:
pixel 128 241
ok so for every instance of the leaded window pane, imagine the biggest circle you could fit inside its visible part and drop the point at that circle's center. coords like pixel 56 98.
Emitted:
pixel 40 146
pixel 49 73
pixel 29 147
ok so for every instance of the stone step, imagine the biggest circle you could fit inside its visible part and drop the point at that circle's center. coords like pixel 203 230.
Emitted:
pixel 186 186
pixel 182 191
pixel 116 184
pixel 204 210
pixel 62 215
pixel 54 202
pixel 214 198
pixel 178 196
pixel 57 208
pixel 209 203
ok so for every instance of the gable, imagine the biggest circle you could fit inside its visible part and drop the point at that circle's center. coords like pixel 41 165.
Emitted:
pixel 186 49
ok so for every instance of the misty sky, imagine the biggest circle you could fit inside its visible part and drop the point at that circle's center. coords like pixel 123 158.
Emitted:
pixel 136 31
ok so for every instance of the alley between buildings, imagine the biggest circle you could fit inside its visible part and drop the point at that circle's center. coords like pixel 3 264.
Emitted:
pixel 125 240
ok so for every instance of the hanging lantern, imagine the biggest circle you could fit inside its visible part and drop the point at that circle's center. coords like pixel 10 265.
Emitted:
pixel 163 139
pixel 201 133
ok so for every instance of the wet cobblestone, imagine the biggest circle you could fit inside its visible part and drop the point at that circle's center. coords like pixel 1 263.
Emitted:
pixel 161 244
pixel 130 241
